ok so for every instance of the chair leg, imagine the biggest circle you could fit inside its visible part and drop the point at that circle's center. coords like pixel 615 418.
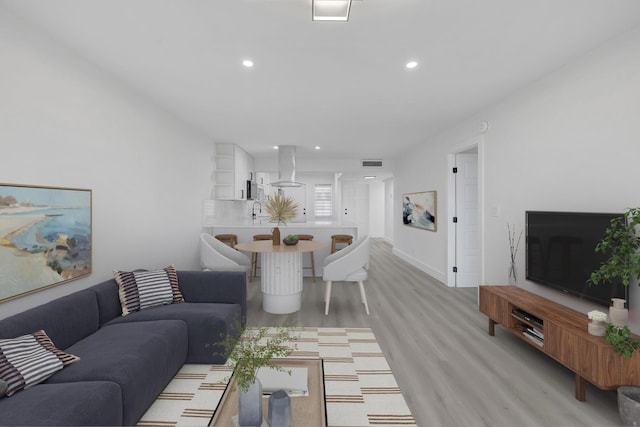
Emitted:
pixel 363 296
pixel 254 263
pixel 313 268
pixel 327 297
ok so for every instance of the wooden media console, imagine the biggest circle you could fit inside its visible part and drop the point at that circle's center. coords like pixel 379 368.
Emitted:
pixel 560 333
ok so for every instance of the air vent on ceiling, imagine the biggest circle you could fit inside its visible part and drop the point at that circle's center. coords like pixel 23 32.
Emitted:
pixel 372 163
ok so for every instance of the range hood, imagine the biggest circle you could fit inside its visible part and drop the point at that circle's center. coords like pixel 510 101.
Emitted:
pixel 286 167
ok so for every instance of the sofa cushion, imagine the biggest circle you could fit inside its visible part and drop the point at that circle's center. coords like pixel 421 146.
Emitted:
pixel 143 289
pixel 95 403
pixel 142 357
pixel 109 306
pixel 206 323
pixel 30 359
pixel 66 320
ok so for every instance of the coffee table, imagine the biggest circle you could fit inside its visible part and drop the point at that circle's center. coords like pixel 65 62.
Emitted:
pixel 307 410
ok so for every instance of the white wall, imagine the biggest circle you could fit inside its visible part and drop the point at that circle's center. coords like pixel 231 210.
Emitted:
pixel 377 211
pixel 64 123
pixel 569 141
pixel 389 210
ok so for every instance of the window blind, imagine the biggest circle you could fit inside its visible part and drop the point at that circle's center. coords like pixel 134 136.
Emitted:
pixel 323 202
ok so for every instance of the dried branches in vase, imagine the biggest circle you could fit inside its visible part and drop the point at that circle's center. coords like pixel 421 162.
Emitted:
pixel 281 208
pixel 513 249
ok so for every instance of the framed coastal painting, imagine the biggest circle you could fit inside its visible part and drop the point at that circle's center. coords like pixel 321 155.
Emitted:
pixel 45 237
pixel 419 210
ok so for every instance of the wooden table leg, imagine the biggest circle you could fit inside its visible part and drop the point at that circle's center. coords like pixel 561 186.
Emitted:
pixel 492 327
pixel 581 388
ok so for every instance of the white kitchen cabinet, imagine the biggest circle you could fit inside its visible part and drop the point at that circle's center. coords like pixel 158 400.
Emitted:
pixel 234 167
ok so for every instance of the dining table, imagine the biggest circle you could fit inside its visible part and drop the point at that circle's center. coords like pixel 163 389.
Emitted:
pixel 281 276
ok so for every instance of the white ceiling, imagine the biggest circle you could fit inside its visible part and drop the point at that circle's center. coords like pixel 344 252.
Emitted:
pixel 342 86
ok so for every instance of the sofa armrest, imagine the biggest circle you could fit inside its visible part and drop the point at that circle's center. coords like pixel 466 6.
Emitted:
pixel 228 287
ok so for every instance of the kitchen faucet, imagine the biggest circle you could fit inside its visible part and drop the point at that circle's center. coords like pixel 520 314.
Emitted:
pixel 253 209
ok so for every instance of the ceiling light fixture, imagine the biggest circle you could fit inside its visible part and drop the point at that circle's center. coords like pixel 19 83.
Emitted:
pixel 411 64
pixel 247 63
pixel 370 177
pixel 330 10
pixel 317 147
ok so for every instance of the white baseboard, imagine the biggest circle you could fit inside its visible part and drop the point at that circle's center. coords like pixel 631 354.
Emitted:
pixel 438 275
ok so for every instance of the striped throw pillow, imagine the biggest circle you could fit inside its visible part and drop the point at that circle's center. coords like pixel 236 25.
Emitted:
pixel 143 289
pixel 30 359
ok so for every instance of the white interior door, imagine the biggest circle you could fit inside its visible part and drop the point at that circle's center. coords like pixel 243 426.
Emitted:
pixel 355 205
pixel 468 259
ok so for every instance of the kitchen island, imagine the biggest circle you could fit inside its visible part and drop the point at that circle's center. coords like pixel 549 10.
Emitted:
pixel 321 231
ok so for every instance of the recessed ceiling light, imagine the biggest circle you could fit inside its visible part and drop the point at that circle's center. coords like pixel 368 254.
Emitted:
pixel 275 147
pixel 317 147
pixel 370 177
pixel 247 63
pixel 411 64
pixel 330 10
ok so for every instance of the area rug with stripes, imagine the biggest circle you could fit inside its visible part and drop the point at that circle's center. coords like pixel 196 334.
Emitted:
pixel 360 388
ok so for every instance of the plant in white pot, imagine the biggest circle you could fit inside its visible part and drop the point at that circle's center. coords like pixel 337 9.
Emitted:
pixel 622 244
pixel 252 349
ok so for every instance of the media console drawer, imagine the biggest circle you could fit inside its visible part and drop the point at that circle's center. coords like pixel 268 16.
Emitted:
pixel 564 337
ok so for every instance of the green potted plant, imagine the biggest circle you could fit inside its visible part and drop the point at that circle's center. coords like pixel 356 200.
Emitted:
pixel 621 242
pixel 628 396
pixel 281 209
pixel 621 340
pixel 253 349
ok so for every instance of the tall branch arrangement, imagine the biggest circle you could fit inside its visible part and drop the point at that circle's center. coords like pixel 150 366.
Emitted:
pixel 513 249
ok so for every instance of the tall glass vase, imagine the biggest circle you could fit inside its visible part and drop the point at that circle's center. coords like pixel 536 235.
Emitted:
pixel 513 275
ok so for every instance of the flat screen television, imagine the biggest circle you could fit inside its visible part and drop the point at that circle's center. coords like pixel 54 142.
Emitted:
pixel 560 253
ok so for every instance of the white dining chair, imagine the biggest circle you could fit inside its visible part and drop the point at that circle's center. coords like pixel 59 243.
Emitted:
pixel 350 264
pixel 216 255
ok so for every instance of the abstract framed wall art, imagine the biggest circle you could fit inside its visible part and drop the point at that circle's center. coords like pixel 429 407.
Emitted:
pixel 419 210
pixel 45 237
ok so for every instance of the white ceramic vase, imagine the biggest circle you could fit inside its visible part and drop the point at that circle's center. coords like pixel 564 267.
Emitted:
pixel 618 315
pixel 597 328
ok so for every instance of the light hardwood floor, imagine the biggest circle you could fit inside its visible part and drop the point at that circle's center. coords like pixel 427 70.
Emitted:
pixel 449 370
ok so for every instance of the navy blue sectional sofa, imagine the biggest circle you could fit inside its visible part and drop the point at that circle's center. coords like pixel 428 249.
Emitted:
pixel 125 361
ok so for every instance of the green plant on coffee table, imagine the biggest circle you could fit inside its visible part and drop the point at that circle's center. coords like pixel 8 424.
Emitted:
pixel 256 347
pixel 621 243
pixel 621 340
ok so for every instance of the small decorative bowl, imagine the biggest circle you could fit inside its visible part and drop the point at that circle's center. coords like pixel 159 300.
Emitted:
pixel 290 240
